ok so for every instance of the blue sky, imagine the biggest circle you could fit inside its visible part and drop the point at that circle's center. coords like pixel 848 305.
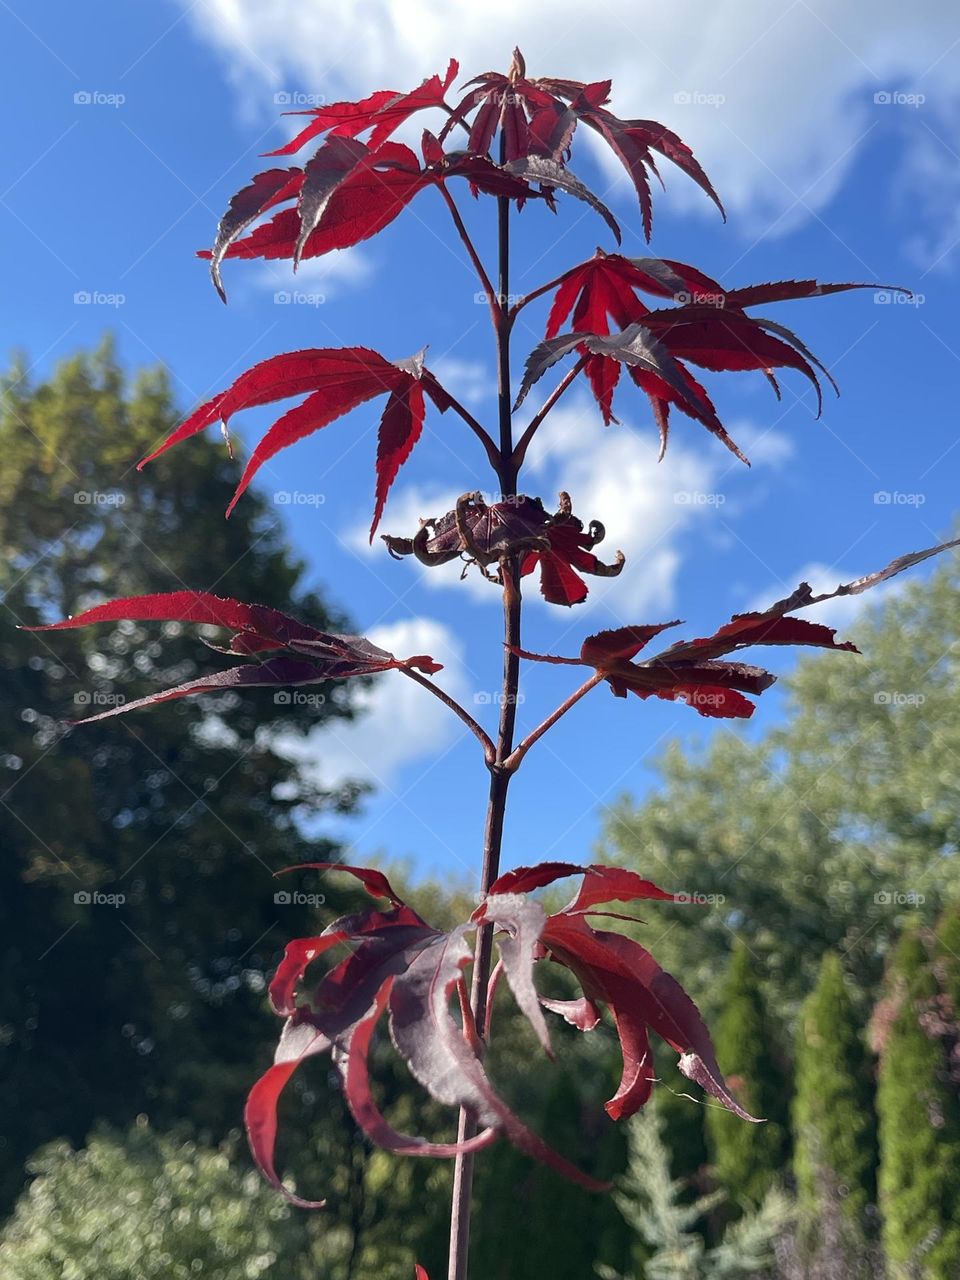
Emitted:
pixel 829 131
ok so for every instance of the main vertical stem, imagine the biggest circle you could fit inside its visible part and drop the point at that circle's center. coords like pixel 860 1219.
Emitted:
pixel 499 776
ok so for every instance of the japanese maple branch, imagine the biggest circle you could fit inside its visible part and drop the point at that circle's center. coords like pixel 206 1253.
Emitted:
pixel 499 775
pixel 520 452
pixel 489 750
pixel 512 761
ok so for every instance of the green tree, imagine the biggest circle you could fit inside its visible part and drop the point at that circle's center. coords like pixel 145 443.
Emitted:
pixel 918 1106
pixel 747 1158
pixel 156 1004
pixel 834 1130
pixel 825 833
pixel 655 1206
pixel 139 1205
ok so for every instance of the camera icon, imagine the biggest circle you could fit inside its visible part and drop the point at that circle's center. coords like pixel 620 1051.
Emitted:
pixel 282 297
pixel 282 698
pixel 683 98
pixel 882 698
pixel 81 298
pixel 883 898
pixel 883 98
pixel 83 98
pixel 683 897
pixel 282 898
pixel 281 498
pixel 82 699
pixel 82 898
pixel 81 498
pixel 283 98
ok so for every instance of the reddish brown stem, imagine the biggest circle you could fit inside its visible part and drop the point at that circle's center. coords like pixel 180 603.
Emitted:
pixel 512 761
pixel 499 775
pixel 489 750
pixel 520 452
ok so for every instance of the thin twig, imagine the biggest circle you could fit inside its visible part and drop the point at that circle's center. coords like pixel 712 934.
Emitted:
pixel 489 750
pixel 520 452
pixel 512 761
pixel 480 432
pixel 492 299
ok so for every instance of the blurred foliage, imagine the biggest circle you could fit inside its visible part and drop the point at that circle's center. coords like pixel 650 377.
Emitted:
pixel 652 1202
pixel 835 1141
pixel 918 1103
pixel 747 1158
pixel 139 1205
pixel 155 1004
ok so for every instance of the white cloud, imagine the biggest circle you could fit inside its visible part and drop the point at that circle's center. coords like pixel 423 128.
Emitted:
pixel 471 381
pixel 776 100
pixel 316 278
pixel 397 722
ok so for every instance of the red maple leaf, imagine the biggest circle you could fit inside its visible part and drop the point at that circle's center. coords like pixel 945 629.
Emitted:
pixel 307 655
pixel 695 671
